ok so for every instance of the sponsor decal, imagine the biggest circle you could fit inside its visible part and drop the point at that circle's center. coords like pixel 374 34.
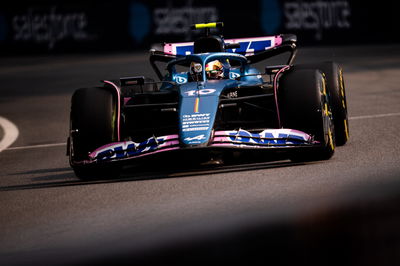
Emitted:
pixel 233 75
pixel 279 136
pixel 248 46
pixel 311 15
pixel 50 26
pixel 184 49
pixel 129 148
pixel 232 94
pixel 181 80
pixel 200 92
pixel 177 20
pixel 196 122
pixel 317 15
pixel 195 129
pixel 126 149
pixel 199 137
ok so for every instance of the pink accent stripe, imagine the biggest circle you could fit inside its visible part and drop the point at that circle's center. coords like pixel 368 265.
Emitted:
pixel 94 153
pixel 276 93
pixel 127 99
pixel 153 152
pixel 175 136
pixel 219 139
pixel 158 151
pixel 168 142
pixel 118 107
pixel 223 145
pixel 168 48
pixel 278 40
pixel 137 156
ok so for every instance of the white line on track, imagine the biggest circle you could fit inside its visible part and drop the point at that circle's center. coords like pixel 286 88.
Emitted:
pixel 10 133
pixel 37 146
pixel 63 143
pixel 373 116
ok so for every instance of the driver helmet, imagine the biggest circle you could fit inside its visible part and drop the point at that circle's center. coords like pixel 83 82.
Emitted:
pixel 195 71
pixel 214 70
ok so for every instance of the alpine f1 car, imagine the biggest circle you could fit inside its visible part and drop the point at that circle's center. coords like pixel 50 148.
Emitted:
pixel 211 99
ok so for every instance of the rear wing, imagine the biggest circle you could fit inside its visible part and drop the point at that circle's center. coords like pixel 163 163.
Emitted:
pixel 255 49
pixel 248 46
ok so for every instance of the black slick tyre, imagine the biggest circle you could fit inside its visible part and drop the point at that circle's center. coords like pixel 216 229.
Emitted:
pixel 304 106
pixel 93 123
pixel 337 96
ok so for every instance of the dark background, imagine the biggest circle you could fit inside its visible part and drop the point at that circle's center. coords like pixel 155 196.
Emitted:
pixel 97 26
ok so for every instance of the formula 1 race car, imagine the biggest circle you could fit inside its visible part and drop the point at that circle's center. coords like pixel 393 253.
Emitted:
pixel 211 100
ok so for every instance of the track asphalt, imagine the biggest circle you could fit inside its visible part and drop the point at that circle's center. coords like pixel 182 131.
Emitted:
pixel 348 204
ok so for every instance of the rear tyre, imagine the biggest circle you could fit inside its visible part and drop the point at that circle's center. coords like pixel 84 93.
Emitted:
pixel 337 96
pixel 93 123
pixel 304 106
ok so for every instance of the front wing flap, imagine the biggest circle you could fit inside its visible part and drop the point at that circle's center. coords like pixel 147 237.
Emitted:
pixel 239 139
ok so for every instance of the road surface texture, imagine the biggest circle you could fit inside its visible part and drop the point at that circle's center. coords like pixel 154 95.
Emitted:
pixel 344 211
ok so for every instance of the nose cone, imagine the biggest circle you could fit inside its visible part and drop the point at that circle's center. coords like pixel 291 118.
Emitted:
pixel 198 107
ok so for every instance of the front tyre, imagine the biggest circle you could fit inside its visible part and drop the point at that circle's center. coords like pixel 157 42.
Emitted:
pixel 93 123
pixel 337 96
pixel 304 106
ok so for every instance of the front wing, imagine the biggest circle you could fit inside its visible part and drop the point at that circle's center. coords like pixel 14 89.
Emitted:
pixel 239 139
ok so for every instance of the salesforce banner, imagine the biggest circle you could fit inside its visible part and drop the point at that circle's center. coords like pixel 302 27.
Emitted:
pixel 331 21
pixel 313 20
pixel 65 26
pixel 43 26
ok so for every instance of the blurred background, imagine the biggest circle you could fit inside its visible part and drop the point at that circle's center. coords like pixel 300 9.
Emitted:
pixel 40 26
